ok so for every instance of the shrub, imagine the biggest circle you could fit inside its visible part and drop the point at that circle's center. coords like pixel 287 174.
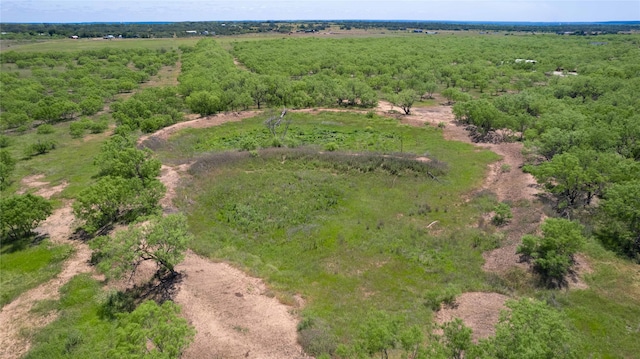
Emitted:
pixel 20 214
pixel 552 254
pixel 5 141
pixel 76 129
pixel 502 214
pixel 7 165
pixel 248 144
pixel 98 126
pixel 331 147
pixel 39 148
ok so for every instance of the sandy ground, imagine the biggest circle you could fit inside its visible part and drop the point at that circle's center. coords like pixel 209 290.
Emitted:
pixel 43 188
pixel 233 315
pixel 480 311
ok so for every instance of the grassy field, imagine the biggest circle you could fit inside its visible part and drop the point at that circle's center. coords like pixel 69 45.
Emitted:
pixel 96 44
pixel 83 328
pixel 349 236
pixel 25 266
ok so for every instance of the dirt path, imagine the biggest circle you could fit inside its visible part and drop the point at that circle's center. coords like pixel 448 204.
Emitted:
pixel 478 310
pixel 233 315
pixel 16 318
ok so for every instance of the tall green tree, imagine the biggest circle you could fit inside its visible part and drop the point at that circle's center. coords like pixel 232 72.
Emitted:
pixel 620 224
pixel 7 165
pixel 116 199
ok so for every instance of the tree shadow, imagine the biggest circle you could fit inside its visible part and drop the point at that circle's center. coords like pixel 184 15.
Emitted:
pixel 11 245
pixel 161 287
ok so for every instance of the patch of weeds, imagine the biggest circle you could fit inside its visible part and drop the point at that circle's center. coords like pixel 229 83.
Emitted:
pixel 502 214
pixel 505 168
pixel 436 299
pixel 25 269
pixel 241 329
pixel 315 337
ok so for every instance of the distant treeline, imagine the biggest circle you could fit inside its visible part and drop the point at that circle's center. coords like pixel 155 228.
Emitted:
pixel 209 28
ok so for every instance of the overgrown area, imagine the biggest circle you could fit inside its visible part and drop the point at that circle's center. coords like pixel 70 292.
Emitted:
pixel 375 225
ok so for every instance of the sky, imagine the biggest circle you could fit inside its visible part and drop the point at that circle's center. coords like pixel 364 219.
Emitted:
pixel 60 11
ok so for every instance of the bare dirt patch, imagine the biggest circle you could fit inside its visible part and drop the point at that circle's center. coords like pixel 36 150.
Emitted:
pixel 170 177
pixel 478 310
pixel 35 181
pixel 233 315
pixel 16 317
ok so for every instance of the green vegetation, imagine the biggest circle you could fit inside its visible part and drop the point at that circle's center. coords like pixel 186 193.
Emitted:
pixel 552 253
pixel 336 206
pixel 26 266
pixel 338 226
pixel 163 240
pixel 20 214
pixel 152 330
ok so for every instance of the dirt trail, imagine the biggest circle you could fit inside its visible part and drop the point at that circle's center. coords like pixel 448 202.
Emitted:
pixel 480 311
pixel 504 178
pixel 233 315
pixel 16 317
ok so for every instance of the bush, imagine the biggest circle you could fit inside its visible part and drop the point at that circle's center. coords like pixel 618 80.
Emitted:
pixel 552 254
pixel 248 144
pixel 98 126
pixel 39 148
pixel 331 147
pixel 316 339
pixel 76 129
pixel 502 214
pixel 7 165
pixel 45 129
pixel 5 141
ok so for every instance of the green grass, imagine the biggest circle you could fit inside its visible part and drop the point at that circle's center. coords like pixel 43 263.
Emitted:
pixel 350 238
pixel 25 269
pixel 80 331
pixel 71 161
pixel 606 316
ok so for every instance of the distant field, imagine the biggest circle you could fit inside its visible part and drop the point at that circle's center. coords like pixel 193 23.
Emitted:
pixel 95 44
